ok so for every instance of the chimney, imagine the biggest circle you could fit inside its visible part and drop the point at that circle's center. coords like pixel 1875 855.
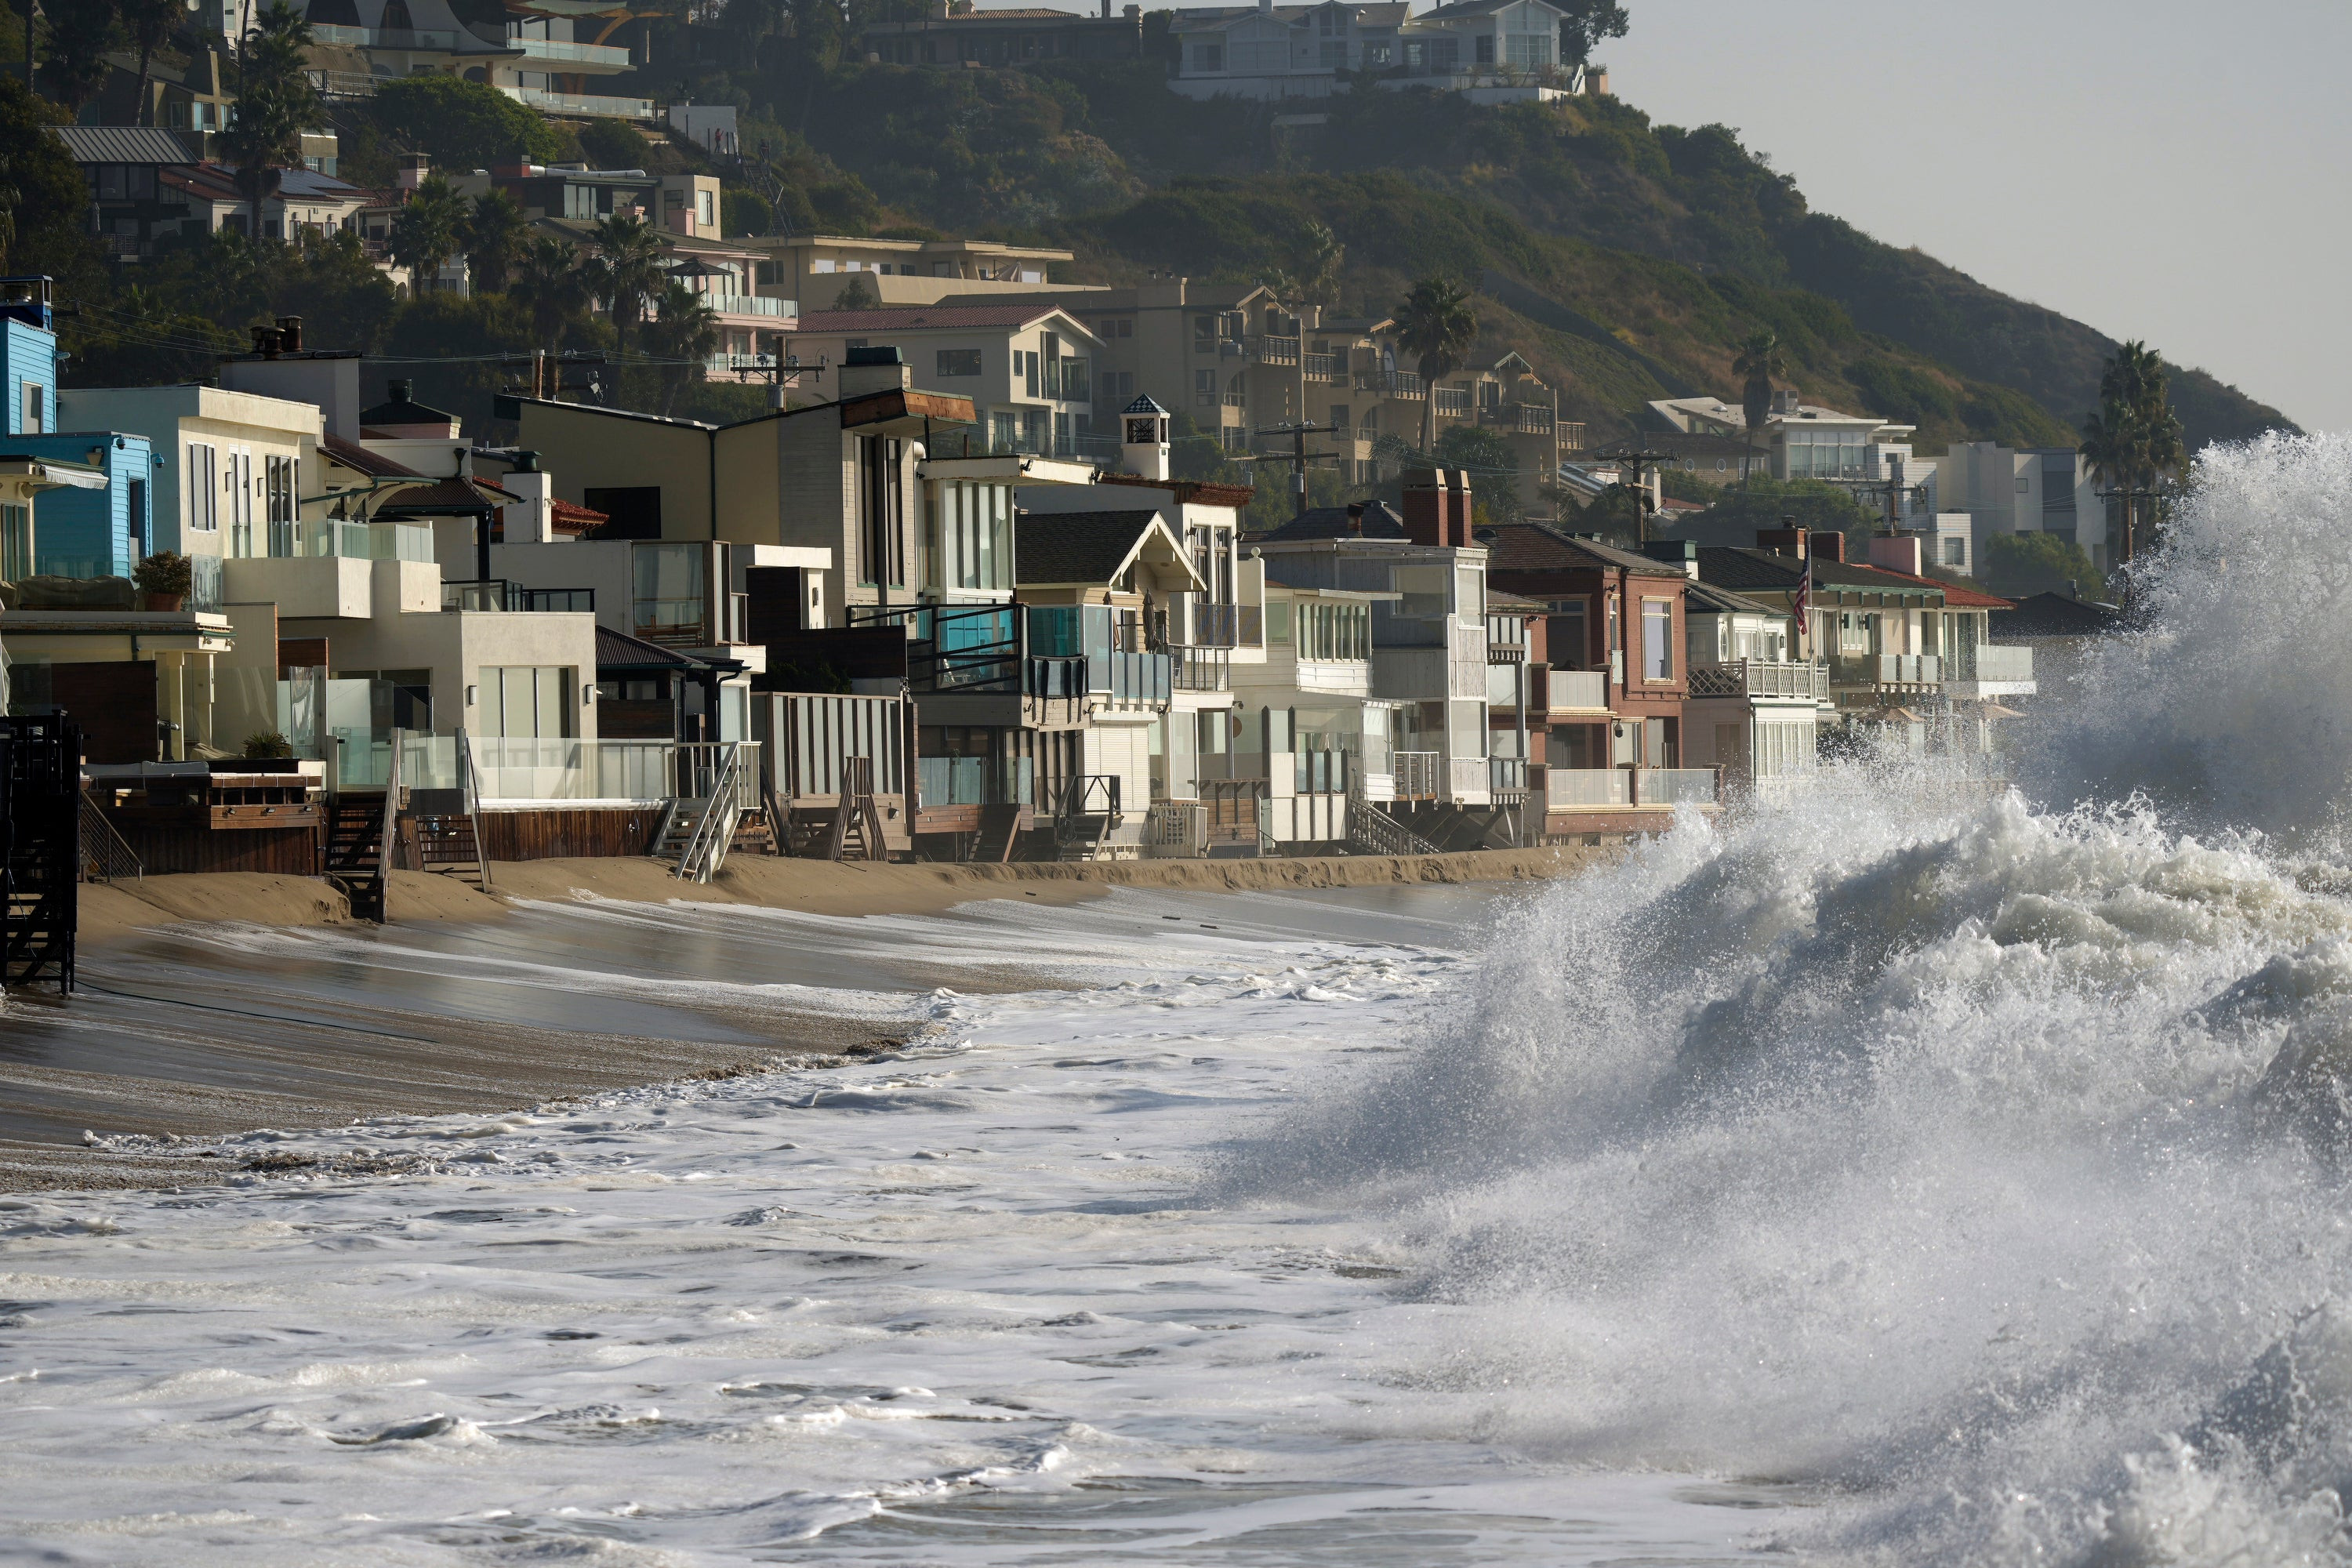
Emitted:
pixel 1427 505
pixel 872 370
pixel 531 519
pixel 267 340
pixel 1356 519
pixel 1782 541
pixel 1897 554
pixel 289 332
pixel 1827 544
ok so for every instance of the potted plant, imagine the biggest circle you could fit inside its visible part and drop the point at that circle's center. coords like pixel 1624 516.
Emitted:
pixel 264 745
pixel 164 578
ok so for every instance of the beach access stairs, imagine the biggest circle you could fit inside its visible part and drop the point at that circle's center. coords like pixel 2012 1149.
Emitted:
pixel 719 785
pixel 40 850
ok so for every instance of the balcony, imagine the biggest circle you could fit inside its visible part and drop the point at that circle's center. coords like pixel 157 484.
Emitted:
pixel 1418 775
pixel 1389 383
pixel 589 104
pixel 601 57
pixel 1328 368
pixel 1762 677
pixel 1201 668
pixel 1271 349
pixel 1624 789
pixel 417 39
pixel 1103 653
pixel 1506 775
pixel 500 597
pixel 1518 418
pixel 1578 690
pixel 1991 670
pixel 753 305
pixel 1506 639
pixel 1916 673
pixel 1452 401
pixel 973 781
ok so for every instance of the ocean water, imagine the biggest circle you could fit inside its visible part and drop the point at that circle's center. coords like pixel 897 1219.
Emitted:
pixel 1907 1173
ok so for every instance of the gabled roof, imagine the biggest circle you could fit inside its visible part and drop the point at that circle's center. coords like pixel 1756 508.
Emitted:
pixel 932 318
pixel 1380 521
pixel 1089 547
pixel 2056 616
pixel 359 460
pixel 1750 571
pixel 1705 599
pixel 124 144
pixel 1956 595
pixel 1464 10
pixel 618 650
pixel 1540 547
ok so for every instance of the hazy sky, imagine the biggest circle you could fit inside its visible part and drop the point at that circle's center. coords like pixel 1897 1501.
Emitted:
pixel 2165 169
pixel 2156 168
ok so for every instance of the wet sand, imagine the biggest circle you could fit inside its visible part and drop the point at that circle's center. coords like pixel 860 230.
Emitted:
pixel 217 1004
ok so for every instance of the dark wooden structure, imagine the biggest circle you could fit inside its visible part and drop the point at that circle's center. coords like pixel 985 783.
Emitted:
pixel 40 850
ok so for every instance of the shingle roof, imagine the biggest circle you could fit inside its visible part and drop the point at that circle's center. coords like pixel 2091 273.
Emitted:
pixel 1762 571
pixel 1540 547
pixel 1704 597
pixel 935 318
pixel 1076 546
pixel 358 459
pixel 2055 616
pixel 123 145
pixel 1380 522
pixel 618 650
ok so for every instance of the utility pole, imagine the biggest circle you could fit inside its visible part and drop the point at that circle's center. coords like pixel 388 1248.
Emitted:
pixel 1633 464
pixel 1299 457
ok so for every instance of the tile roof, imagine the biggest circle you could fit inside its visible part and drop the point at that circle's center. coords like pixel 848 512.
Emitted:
pixel 1076 546
pixel 932 317
pixel 1540 547
pixel 123 145
pixel 1956 595
pixel 1762 571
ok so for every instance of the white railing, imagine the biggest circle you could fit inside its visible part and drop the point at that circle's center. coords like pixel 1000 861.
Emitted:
pixel 525 770
pixel 575 53
pixel 582 104
pixel 1995 661
pixel 1887 670
pixel 752 305
pixel 723 803
pixel 1675 786
pixel 1416 776
pixel 1586 688
pixel 1760 677
pixel 1568 789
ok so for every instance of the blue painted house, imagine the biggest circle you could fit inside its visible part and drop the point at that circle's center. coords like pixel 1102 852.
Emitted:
pixel 76 532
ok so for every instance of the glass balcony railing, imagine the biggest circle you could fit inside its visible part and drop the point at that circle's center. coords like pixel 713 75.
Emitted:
pixel 570 53
pixel 501 597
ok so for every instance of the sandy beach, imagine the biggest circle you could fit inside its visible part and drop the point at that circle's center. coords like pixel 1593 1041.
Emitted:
pixel 192 1024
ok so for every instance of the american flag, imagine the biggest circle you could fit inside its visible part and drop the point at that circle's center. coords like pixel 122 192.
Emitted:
pixel 1802 601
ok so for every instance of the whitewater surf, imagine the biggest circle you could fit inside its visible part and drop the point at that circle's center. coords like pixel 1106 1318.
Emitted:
pixel 1906 1172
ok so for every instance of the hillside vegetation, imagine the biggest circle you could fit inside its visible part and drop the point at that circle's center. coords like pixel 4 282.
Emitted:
pixel 1657 247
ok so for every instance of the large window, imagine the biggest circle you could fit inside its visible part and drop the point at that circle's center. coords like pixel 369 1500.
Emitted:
pixel 1658 639
pixel 959 362
pixel 975 531
pixel 527 701
pixel 277 475
pixel 670 599
pixel 15 543
pixel 1334 631
pixel 881 509
pixel 237 492
pixel 1827 454
pixel 201 481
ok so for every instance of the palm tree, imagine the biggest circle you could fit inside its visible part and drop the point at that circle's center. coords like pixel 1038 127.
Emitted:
pixel 494 238
pixel 626 270
pixel 2134 439
pixel 547 283
pixel 275 104
pixel 684 334
pixel 1435 325
pixel 428 230
pixel 149 23
pixel 1758 363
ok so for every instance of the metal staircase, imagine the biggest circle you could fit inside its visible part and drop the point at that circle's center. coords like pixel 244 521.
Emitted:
pixel 1375 832
pixel 698 831
pixel 40 850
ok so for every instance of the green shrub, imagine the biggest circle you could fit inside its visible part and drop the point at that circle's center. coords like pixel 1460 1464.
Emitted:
pixel 614 144
pixel 2016 564
pixel 462 125
pixel 264 743
pixel 165 571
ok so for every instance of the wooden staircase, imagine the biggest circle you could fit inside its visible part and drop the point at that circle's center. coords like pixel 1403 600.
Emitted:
pixel 354 859
pixel 1091 810
pixel 1000 827
pixel 450 844
pixel 40 850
